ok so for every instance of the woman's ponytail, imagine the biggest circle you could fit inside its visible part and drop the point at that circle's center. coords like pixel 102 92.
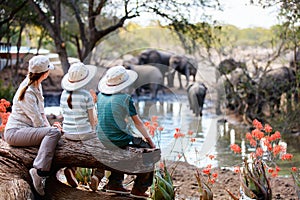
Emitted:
pixel 22 93
pixel 32 78
pixel 69 100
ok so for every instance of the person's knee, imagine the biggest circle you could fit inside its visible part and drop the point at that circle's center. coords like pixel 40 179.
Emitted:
pixel 54 132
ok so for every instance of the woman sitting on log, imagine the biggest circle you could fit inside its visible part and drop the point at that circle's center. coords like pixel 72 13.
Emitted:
pixel 78 110
pixel 27 124
pixel 114 107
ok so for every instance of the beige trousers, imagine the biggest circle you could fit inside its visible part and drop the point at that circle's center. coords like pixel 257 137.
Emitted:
pixel 45 137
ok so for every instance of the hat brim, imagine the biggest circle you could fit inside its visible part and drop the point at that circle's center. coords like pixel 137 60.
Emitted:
pixel 106 89
pixel 67 85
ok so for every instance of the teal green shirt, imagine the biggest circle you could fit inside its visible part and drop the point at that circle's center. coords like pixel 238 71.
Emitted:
pixel 112 113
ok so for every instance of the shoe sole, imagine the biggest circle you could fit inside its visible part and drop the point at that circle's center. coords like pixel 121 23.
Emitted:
pixel 116 191
pixel 70 178
pixel 32 175
pixel 140 197
pixel 94 183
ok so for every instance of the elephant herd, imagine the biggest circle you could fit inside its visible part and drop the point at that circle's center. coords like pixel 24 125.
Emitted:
pixel 249 95
pixel 237 89
pixel 157 69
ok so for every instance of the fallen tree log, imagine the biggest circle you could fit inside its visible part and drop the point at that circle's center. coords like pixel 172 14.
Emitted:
pixel 15 162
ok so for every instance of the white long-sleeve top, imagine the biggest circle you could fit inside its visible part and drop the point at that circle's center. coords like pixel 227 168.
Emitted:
pixel 29 111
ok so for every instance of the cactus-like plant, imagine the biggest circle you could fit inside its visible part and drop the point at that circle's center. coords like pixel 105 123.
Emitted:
pixel 162 186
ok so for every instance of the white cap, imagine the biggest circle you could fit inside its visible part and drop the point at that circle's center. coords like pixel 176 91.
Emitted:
pixel 39 64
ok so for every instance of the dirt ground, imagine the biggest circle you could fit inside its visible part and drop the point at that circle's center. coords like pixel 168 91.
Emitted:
pixel 187 187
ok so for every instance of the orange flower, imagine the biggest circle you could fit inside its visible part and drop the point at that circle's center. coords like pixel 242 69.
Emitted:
pixel 268 128
pixel 155 124
pixel 274 174
pixel 2 108
pixel 161 165
pixel 178 135
pixel 258 134
pixel 152 130
pixel 2 127
pixel 193 139
pixel 253 143
pixel 294 169
pixel 154 118
pixel 215 175
pixel 190 132
pixel 275 136
pixel 277 149
pixel 209 166
pixel 206 171
pixel 248 136
pixel 147 123
pixel 287 156
pixel 235 148
pixel 211 157
pixel 270 170
pixel 160 128
pixel 257 124
pixel 212 181
pixel 277 169
pixel 236 169
pixel 177 130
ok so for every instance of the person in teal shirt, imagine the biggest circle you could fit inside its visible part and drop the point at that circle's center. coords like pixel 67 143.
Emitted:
pixel 115 108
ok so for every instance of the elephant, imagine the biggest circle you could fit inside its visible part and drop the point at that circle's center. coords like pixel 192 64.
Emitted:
pixel 196 95
pixel 231 88
pixel 149 80
pixel 270 87
pixel 156 58
pixel 228 65
pixel 183 65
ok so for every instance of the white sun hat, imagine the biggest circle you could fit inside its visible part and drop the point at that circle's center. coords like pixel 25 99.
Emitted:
pixel 116 79
pixel 78 76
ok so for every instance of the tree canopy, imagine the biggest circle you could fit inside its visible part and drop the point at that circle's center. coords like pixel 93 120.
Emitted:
pixel 86 23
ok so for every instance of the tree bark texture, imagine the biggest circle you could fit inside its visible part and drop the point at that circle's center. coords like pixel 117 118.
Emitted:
pixel 15 162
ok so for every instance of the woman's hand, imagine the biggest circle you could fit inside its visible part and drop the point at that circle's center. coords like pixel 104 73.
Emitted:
pixel 149 140
pixel 58 126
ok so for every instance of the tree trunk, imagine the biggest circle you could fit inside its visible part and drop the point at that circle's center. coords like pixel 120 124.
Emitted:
pixel 15 162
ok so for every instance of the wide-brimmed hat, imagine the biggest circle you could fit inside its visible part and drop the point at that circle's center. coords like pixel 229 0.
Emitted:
pixel 39 64
pixel 78 76
pixel 116 79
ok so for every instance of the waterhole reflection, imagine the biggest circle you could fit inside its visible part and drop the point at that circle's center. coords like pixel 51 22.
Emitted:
pixel 175 113
pixel 212 134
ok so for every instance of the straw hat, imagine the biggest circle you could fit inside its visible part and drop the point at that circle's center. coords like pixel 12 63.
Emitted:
pixel 39 64
pixel 78 76
pixel 116 79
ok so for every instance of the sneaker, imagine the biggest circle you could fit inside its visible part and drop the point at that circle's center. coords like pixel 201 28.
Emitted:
pixel 118 190
pixel 94 183
pixel 71 180
pixel 137 194
pixel 38 181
